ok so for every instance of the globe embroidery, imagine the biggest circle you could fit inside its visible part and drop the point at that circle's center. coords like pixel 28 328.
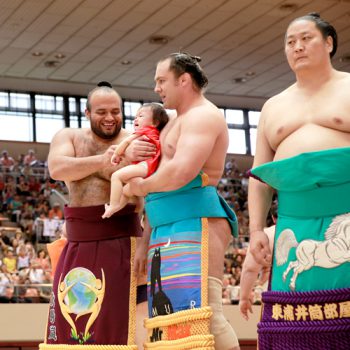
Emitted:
pixel 81 293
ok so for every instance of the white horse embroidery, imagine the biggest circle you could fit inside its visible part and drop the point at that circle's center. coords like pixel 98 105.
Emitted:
pixel 334 251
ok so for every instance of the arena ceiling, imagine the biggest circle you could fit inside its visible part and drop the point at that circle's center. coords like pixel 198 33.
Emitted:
pixel 67 46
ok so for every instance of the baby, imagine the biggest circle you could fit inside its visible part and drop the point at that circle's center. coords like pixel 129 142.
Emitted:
pixel 149 121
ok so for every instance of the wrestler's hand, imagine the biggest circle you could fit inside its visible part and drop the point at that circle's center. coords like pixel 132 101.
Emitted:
pixel 245 305
pixel 135 187
pixel 140 149
pixel 140 262
pixel 107 156
pixel 259 247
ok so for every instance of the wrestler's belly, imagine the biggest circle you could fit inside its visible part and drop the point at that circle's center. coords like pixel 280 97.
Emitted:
pixel 310 138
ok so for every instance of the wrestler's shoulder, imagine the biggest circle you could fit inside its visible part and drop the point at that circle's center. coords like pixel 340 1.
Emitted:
pixel 279 100
pixel 206 112
pixel 73 131
pixel 343 77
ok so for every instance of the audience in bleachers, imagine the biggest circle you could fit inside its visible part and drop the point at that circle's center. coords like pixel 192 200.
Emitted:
pixel 25 201
pixel 25 269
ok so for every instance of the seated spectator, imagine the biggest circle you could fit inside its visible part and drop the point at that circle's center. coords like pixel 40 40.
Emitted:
pixel 27 219
pixel 20 161
pixel 30 158
pixel 22 188
pixel 5 284
pixel 6 161
pixel 56 212
pixel 45 291
pixel 14 245
pixel 8 195
pixel 34 185
pixel 20 289
pixel 36 273
pixel 42 259
pixel 10 260
pixel 4 240
pixel 23 261
pixel 30 250
pixel 46 189
pixel 19 236
pixel 15 206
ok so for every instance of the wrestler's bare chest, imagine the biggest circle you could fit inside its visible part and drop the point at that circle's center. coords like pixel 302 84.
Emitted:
pixel 320 121
pixel 169 138
pixel 93 189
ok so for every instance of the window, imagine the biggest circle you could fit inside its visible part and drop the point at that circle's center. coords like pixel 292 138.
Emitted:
pixel 237 141
pixel 16 109
pixel 72 105
pixel 73 122
pixel 253 117
pixel 234 116
pixel 47 125
pixel 19 101
pixel 130 108
pixel 49 103
pixel 9 126
pixel 129 125
pixel 4 99
pixel 83 105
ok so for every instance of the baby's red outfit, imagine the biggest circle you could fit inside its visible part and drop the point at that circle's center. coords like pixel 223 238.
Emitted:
pixel 153 134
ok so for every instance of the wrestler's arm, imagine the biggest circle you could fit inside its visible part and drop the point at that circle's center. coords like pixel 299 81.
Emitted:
pixel 249 277
pixel 65 166
pixel 259 199
pixel 199 133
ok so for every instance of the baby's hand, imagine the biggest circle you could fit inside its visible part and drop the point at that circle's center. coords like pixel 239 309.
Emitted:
pixel 115 160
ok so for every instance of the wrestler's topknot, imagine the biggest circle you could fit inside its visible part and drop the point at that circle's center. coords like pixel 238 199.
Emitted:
pixel 104 83
pixel 104 86
pixel 182 62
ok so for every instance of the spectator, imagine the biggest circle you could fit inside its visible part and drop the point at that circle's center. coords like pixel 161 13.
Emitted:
pixel 6 161
pixel 4 240
pixel 42 259
pixel 22 258
pixel 10 261
pixel 14 206
pixel 30 158
pixel 27 219
pixel 36 273
pixel 5 284
pixel 34 185
pixel 56 212
pixel 45 291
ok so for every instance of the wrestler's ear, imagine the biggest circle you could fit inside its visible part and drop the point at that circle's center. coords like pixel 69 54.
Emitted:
pixel 329 43
pixel 87 114
pixel 185 79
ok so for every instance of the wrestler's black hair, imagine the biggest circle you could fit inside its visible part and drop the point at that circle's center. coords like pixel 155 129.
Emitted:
pixel 101 86
pixel 324 27
pixel 181 62
pixel 160 116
